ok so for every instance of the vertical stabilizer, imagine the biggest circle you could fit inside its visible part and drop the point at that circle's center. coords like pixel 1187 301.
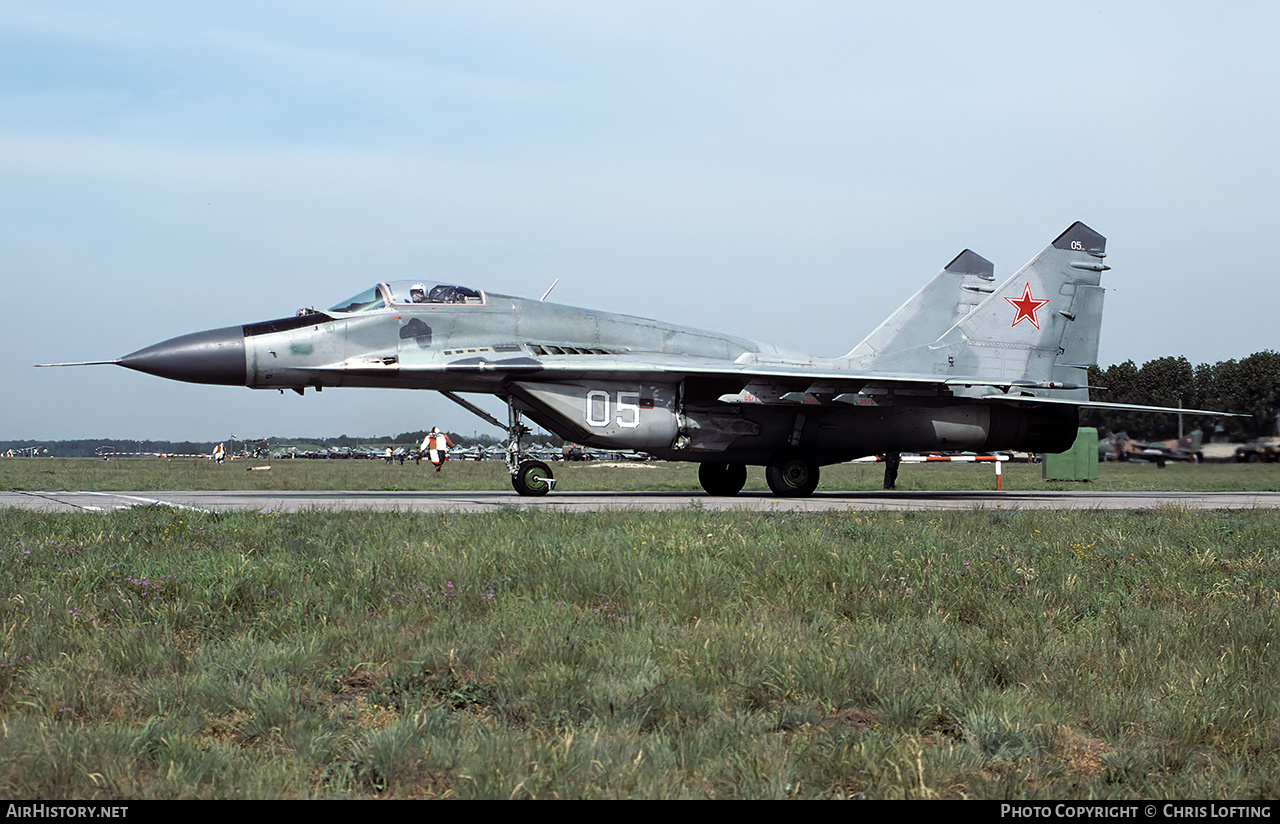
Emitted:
pixel 1041 325
pixel 1048 315
pixel 948 297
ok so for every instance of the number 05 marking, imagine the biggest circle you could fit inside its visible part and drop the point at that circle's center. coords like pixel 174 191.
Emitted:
pixel 599 411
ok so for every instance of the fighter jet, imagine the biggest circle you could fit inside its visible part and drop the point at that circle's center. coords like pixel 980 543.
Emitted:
pixel 982 373
pixel 1120 447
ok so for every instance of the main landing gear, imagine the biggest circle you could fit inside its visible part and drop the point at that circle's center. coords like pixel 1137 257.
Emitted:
pixel 793 475
pixel 722 479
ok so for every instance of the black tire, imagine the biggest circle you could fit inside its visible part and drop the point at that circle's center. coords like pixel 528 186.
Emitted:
pixel 532 478
pixel 792 476
pixel 723 479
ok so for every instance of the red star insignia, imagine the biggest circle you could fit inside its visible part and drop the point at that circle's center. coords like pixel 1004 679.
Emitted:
pixel 1026 306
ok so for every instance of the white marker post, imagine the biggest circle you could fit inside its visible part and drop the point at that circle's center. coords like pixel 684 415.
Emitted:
pixel 995 459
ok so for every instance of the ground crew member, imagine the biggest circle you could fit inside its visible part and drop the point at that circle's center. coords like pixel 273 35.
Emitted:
pixel 438 445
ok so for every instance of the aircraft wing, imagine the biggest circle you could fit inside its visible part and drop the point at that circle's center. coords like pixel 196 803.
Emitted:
pixel 807 382
pixel 748 369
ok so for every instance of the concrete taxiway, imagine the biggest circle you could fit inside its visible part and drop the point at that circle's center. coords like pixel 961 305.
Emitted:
pixel 637 501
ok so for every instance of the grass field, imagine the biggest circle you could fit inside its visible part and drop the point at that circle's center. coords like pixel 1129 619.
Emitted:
pixel 154 653
pixel 201 474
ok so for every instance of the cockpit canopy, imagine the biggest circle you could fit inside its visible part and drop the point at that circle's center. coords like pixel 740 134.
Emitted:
pixel 409 292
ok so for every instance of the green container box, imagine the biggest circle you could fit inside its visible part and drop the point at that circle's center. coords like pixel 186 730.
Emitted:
pixel 1079 463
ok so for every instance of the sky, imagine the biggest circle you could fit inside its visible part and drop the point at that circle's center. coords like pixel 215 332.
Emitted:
pixel 784 171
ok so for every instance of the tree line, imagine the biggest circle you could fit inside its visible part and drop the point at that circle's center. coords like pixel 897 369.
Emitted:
pixel 1250 386
pixel 93 447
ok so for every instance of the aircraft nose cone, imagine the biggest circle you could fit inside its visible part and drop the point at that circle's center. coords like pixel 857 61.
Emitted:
pixel 216 356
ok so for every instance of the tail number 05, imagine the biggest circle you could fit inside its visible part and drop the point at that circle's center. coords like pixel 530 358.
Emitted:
pixel 600 408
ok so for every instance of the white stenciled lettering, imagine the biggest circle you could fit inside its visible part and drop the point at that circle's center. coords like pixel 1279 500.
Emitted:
pixel 629 409
pixel 600 407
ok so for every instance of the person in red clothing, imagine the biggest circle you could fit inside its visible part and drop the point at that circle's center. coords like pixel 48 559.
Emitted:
pixel 436 445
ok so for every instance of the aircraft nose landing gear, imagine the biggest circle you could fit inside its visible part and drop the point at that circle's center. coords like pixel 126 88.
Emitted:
pixel 532 478
pixel 529 477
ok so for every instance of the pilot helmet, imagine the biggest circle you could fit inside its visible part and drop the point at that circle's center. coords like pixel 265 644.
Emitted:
pixel 417 292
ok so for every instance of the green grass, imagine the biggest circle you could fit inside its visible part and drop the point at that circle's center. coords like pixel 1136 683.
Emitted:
pixel 154 653
pixel 39 474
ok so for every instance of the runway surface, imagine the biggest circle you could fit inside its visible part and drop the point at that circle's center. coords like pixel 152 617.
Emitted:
pixel 638 501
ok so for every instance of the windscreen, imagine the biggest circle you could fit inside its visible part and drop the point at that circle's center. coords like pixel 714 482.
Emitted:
pixel 367 301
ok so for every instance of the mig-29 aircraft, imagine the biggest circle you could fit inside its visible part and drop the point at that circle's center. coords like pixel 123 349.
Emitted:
pixel 963 365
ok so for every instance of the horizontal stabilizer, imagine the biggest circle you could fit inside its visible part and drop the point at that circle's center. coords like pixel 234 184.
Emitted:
pixel 1126 407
